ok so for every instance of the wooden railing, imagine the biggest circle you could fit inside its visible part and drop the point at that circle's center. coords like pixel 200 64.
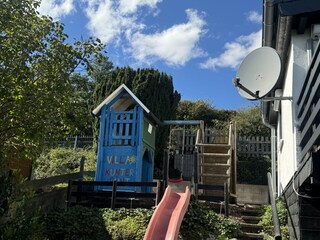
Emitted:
pixel 85 193
pixel 308 109
pixel 54 180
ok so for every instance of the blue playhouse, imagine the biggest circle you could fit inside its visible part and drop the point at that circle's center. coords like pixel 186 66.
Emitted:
pixel 126 141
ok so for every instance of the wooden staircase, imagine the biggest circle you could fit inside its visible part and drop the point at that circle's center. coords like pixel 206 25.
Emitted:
pixel 217 167
pixel 214 167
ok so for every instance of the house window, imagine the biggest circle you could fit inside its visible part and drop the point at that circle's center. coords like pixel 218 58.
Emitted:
pixel 313 41
pixel 312 44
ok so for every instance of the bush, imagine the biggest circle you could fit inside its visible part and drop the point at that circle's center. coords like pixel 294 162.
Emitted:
pixel 59 161
pixel 267 220
pixel 75 223
pixel 23 226
pixel 128 228
pixel 251 170
pixel 21 221
pixel 128 224
pixel 200 222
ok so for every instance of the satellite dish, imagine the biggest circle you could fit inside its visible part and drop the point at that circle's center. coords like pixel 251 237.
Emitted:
pixel 258 73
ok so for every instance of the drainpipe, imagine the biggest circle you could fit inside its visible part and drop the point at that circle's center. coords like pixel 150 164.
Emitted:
pixel 267 31
pixel 267 40
pixel 273 151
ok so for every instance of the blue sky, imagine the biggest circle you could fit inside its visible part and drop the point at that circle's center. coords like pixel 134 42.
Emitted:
pixel 199 42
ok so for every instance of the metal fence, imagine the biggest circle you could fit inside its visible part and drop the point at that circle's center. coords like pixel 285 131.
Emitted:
pixel 76 142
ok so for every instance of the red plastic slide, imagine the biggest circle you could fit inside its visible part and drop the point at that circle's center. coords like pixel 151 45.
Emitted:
pixel 166 219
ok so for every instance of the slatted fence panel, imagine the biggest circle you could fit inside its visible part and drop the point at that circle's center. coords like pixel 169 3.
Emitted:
pixel 253 146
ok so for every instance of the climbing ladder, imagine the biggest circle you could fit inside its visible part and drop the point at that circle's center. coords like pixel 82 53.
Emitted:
pixel 217 167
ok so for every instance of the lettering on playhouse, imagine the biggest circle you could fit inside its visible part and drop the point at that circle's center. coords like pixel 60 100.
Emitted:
pixel 125 160
pixel 121 170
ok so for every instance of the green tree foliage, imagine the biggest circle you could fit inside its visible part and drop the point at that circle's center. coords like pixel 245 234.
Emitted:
pixel 203 110
pixel 78 115
pixel 253 170
pixel 153 88
pixel 60 161
pixel 35 65
pixel 249 122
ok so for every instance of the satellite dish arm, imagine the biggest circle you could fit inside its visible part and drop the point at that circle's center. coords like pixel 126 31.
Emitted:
pixel 237 83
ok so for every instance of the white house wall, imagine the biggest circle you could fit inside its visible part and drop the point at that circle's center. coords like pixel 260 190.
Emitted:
pixel 286 129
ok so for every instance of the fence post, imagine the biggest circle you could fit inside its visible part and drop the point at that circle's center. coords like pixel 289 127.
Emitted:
pixel 75 142
pixel 82 160
pixel 114 193
pixel 226 199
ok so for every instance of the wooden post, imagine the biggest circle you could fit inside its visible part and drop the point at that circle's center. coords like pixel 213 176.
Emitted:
pixel 233 182
pixel 158 192
pixel 83 158
pixel 69 192
pixel 114 193
pixel 226 199
pixel 195 172
pixel 165 167
pixel 79 191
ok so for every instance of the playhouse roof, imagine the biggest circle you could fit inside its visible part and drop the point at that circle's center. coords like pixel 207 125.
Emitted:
pixel 124 102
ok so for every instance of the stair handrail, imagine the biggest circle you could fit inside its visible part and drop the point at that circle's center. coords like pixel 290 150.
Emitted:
pixel 200 134
pixel 198 149
pixel 277 233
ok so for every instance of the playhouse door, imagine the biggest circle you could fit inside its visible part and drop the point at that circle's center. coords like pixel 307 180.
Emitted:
pixel 146 170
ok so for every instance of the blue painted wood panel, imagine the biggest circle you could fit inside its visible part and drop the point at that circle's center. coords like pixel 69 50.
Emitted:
pixel 120 148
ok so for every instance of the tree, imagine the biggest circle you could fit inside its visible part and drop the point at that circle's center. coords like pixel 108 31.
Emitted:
pixel 203 110
pixel 78 115
pixel 35 65
pixel 249 122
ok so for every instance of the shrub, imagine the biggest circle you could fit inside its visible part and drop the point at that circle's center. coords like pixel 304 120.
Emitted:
pixel 128 228
pixel 200 222
pixel 59 161
pixel 128 224
pixel 267 220
pixel 252 170
pixel 21 221
pixel 23 226
pixel 76 223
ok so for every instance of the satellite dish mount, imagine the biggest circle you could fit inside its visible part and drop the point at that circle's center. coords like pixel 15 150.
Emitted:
pixel 237 83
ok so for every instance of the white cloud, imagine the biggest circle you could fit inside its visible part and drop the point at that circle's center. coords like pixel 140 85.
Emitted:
pixel 235 52
pixel 109 19
pixel 175 45
pixel 131 6
pixel 56 8
pixel 254 17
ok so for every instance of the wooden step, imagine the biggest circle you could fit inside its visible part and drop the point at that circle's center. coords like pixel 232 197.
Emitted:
pixel 252 226
pixel 211 198
pixel 211 170
pixel 226 155
pixel 251 219
pixel 244 235
pixel 215 164
pixel 217 148
pixel 218 145
pixel 214 175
